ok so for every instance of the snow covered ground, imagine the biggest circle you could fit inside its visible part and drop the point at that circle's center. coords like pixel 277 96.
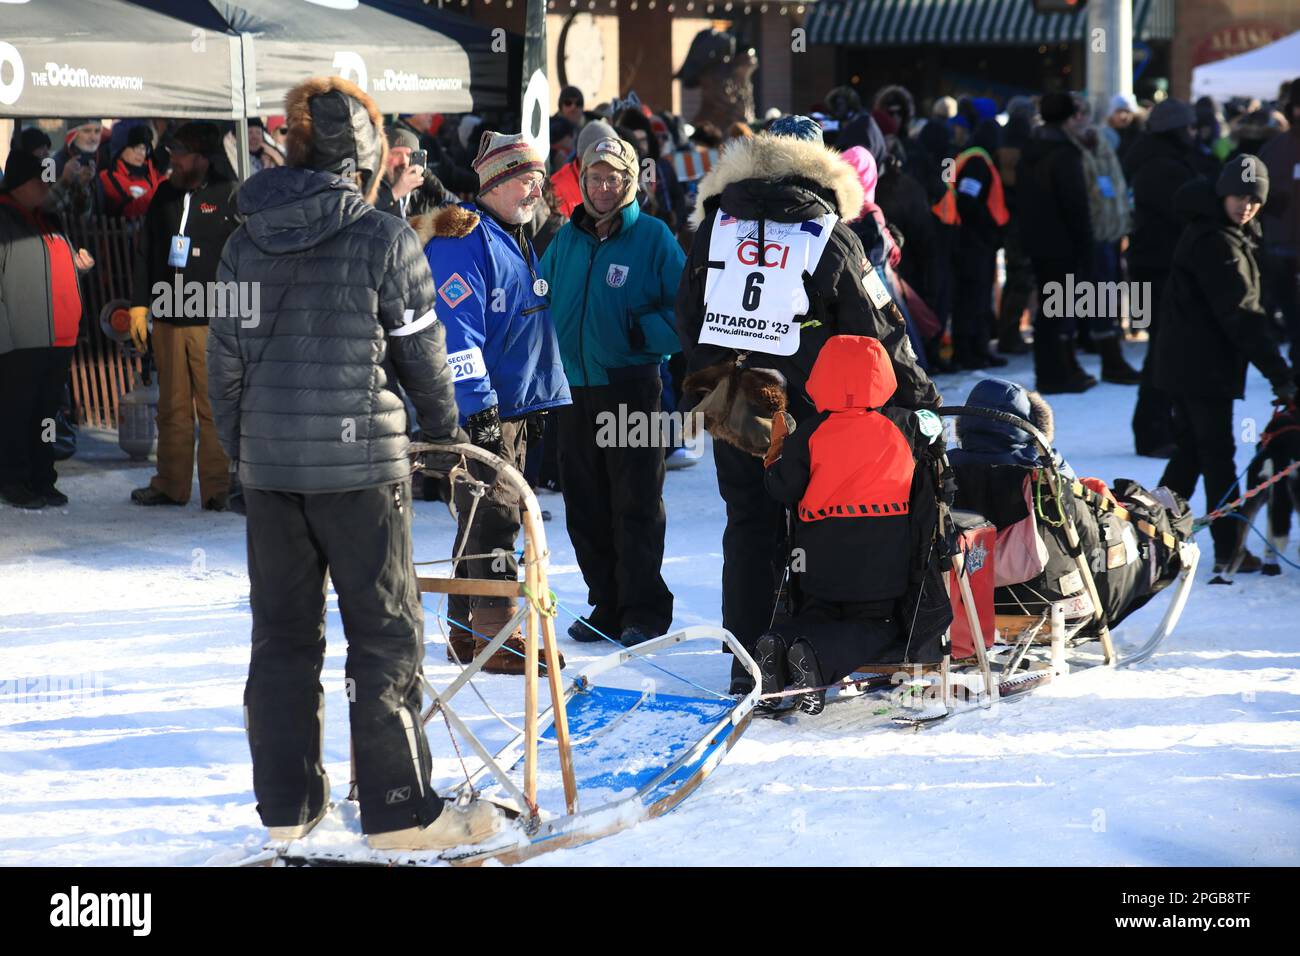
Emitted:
pixel 141 617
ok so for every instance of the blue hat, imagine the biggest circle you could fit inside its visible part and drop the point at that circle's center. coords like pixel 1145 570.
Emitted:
pixel 796 127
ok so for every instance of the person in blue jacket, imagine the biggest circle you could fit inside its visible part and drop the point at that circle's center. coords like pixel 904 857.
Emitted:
pixel 613 276
pixel 505 362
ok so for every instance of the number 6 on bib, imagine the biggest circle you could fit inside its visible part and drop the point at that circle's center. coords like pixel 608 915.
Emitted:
pixel 753 297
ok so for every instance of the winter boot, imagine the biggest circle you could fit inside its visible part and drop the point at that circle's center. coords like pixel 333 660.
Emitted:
pixel 508 659
pixel 802 662
pixel 454 827
pixel 462 645
pixel 1114 368
pixel 770 655
pixel 20 496
pixel 302 829
pixel 584 631
pixel 635 634
pixel 1056 370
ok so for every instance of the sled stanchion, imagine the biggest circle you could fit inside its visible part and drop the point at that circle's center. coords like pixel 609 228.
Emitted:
pixel 973 622
pixel 530 707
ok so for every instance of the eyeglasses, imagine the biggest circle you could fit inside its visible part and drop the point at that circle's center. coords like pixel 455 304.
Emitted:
pixel 532 182
pixel 606 182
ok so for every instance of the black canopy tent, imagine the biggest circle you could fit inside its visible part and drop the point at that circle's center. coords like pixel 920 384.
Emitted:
pixel 62 58
pixel 410 57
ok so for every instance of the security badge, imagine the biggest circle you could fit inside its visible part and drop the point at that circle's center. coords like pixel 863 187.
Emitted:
pixel 179 252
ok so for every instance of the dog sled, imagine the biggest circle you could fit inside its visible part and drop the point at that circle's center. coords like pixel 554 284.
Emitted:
pixel 599 759
pixel 1096 555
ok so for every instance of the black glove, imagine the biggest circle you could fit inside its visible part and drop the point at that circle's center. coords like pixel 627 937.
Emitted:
pixel 1284 392
pixel 485 430
pixel 534 427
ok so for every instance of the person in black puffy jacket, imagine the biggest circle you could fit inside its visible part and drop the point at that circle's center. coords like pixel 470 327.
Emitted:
pixel 304 395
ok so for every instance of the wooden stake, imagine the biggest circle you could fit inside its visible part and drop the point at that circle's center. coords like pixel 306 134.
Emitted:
pixel 530 689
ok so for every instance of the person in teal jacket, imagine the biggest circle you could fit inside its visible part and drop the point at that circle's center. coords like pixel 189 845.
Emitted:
pixel 613 275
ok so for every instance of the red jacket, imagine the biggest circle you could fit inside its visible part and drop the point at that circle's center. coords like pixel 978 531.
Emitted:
pixel 847 474
pixel 128 189
pixel 60 301
pixel 566 187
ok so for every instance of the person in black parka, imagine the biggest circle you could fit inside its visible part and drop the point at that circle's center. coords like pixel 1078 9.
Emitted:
pixel 1158 164
pixel 1055 224
pixel 306 406
pixel 1214 326
pixel 782 177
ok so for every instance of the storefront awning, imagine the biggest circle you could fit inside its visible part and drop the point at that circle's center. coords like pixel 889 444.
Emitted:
pixel 966 23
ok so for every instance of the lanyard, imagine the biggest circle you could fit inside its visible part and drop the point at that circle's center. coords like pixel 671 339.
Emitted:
pixel 185 213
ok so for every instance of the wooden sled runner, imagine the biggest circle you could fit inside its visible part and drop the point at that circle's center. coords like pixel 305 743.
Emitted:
pixel 597 760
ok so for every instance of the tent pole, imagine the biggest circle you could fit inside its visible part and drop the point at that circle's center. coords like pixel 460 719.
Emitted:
pixel 241 134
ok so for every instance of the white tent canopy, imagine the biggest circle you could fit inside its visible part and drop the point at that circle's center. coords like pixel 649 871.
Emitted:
pixel 1256 73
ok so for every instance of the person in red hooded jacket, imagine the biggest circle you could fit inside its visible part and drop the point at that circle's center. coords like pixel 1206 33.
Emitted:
pixel 127 186
pixel 847 476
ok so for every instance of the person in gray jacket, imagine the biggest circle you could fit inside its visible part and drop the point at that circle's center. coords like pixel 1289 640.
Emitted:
pixel 304 398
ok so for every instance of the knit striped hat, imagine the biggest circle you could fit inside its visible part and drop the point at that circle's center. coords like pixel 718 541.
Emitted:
pixel 501 157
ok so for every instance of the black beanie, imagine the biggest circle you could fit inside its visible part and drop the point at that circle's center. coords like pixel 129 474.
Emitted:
pixel 141 135
pixel 22 167
pixel 1056 107
pixel 1244 175
pixel 198 137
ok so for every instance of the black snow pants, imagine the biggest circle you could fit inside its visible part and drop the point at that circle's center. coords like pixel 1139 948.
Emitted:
pixel 1205 449
pixel 613 502
pixel 362 539
pixel 753 550
pixel 844 636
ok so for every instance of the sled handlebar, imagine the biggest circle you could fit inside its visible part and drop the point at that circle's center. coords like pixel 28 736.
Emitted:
pixel 1041 440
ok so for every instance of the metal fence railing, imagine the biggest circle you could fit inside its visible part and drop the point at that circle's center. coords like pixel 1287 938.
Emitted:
pixel 102 371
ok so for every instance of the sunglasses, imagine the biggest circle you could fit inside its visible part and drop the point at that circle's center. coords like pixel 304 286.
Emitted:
pixel 569 102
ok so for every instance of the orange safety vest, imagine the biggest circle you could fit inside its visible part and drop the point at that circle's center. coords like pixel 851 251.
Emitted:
pixel 946 208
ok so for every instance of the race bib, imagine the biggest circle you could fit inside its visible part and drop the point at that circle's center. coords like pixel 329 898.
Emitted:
pixel 753 297
pixel 466 364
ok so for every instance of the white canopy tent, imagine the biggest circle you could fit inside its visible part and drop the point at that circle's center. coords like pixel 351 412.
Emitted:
pixel 1256 73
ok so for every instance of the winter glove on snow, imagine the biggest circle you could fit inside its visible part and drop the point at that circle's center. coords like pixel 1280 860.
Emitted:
pixel 485 430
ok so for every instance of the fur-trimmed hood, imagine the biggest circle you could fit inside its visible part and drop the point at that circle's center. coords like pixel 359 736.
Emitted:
pixel 449 222
pixel 344 136
pixel 990 441
pixel 813 176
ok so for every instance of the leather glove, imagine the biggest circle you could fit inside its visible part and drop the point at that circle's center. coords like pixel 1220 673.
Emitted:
pixel 780 428
pixel 485 430
pixel 140 327
pixel 1284 393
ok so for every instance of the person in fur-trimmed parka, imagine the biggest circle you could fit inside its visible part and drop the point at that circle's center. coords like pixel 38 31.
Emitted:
pixel 785 176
